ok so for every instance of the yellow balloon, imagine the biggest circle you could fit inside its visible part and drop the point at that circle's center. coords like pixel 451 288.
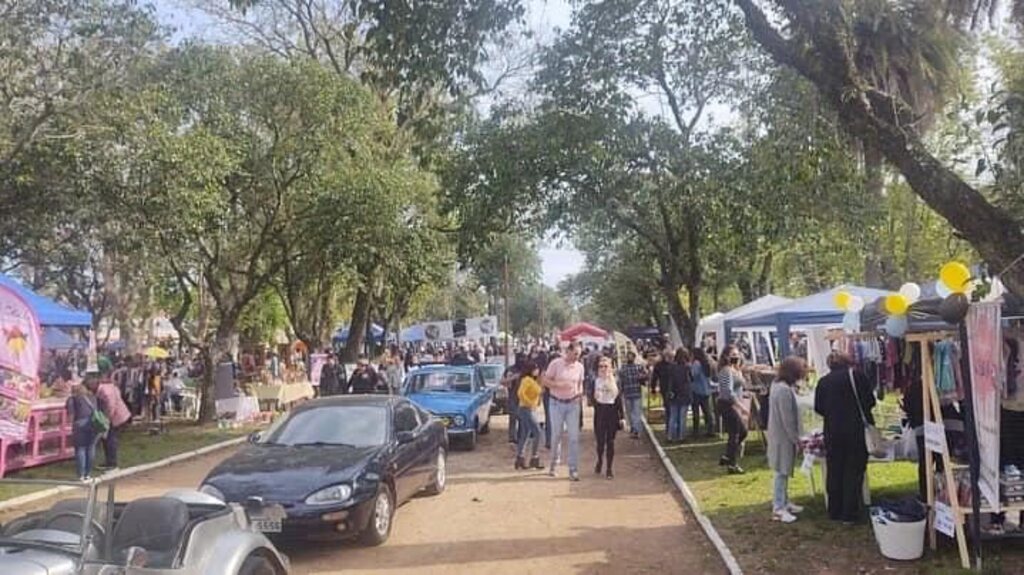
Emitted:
pixel 896 304
pixel 843 300
pixel 955 275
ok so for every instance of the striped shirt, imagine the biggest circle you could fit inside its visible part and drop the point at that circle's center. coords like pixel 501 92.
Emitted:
pixel 631 378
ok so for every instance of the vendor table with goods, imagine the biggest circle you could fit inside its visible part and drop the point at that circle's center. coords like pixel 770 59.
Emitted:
pixel 44 439
pixel 281 395
pixel 242 408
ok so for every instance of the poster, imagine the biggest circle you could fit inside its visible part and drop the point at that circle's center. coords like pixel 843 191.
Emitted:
pixel 482 327
pixel 21 339
pixel 985 349
pixel 316 365
pixel 945 522
pixel 438 331
pixel 935 437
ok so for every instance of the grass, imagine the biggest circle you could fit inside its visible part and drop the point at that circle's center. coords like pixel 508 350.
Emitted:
pixel 740 508
pixel 136 447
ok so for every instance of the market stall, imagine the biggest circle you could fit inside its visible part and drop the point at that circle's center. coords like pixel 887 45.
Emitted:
pixel 33 427
pixel 585 333
pixel 713 327
pixel 278 396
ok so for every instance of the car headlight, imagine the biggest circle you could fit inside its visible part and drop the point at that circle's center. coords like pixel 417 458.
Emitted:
pixel 332 494
pixel 459 420
pixel 212 491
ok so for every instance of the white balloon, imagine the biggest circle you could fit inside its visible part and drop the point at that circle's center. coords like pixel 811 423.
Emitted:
pixel 911 291
pixel 896 325
pixel 856 304
pixel 942 290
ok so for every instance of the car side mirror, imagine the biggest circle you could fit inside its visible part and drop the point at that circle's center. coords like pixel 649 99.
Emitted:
pixel 404 437
pixel 136 557
pixel 254 437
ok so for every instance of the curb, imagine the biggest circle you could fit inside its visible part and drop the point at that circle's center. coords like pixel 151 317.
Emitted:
pixel 120 473
pixel 691 502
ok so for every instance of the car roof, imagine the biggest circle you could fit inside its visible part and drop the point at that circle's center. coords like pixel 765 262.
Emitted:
pixel 443 367
pixel 351 400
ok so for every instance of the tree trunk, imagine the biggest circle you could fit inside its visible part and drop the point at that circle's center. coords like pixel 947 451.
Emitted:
pixel 675 309
pixel 357 327
pixel 746 290
pixel 764 281
pixel 207 406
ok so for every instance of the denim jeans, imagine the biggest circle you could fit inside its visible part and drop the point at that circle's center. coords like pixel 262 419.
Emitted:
pixel 677 421
pixel 110 446
pixel 564 416
pixel 635 413
pixel 547 419
pixel 529 432
pixel 779 497
pixel 83 459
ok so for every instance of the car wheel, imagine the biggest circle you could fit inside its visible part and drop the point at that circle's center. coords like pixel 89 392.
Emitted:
pixel 440 479
pixel 379 528
pixel 258 565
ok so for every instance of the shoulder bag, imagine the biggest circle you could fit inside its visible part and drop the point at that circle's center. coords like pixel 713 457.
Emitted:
pixel 872 437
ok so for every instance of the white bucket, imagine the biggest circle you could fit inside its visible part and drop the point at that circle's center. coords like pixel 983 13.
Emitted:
pixel 900 541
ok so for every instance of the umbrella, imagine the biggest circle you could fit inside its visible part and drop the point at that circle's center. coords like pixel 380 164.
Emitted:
pixel 156 352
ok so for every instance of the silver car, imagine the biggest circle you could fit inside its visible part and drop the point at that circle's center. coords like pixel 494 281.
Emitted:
pixel 184 532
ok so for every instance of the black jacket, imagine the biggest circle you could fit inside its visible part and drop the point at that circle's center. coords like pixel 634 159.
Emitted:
pixel 834 401
pixel 674 381
pixel 330 380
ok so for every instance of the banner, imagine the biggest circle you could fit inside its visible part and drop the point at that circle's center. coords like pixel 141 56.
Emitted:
pixel 21 339
pixel 482 327
pixel 438 331
pixel 316 365
pixel 985 348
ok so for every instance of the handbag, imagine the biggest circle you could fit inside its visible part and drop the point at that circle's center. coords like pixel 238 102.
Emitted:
pixel 872 437
pixel 100 421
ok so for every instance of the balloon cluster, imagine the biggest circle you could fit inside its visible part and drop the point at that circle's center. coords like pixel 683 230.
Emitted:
pixel 852 305
pixel 897 305
pixel 953 287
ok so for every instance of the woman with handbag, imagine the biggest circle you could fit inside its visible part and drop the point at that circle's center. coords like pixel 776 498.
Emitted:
pixel 844 399
pixel 81 408
pixel 732 410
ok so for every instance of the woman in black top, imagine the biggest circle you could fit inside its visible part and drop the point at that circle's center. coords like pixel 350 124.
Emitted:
pixel 846 453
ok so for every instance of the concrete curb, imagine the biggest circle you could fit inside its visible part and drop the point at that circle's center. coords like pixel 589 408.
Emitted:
pixel 121 473
pixel 691 502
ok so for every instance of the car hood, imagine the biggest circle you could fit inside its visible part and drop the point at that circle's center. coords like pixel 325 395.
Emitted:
pixel 281 474
pixel 443 402
pixel 22 561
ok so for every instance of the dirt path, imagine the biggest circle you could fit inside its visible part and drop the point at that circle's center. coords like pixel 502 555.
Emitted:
pixel 494 520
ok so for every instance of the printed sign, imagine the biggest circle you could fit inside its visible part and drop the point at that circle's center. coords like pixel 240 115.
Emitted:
pixel 945 520
pixel 935 437
pixel 316 365
pixel 438 331
pixel 985 349
pixel 482 327
pixel 21 339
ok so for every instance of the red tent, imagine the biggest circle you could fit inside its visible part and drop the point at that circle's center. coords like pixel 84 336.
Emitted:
pixel 582 330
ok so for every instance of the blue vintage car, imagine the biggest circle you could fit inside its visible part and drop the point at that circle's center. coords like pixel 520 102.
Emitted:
pixel 456 395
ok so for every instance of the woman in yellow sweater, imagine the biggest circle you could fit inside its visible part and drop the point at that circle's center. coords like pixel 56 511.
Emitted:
pixel 529 404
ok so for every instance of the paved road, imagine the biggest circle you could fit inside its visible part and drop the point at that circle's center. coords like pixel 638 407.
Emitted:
pixel 494 520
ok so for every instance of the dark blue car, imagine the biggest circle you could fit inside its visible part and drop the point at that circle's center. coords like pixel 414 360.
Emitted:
pixel 338 466
pixel 457 395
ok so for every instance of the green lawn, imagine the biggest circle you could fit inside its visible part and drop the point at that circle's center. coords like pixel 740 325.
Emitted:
pixel 740 508
pixel 137 447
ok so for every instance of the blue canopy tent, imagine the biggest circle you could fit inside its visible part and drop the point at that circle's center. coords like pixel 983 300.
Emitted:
pixel 814 310
pixel 49 312
pixel 341 336
pixel 56 338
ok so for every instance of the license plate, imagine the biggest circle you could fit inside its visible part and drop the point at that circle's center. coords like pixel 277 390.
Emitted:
pixel 267 525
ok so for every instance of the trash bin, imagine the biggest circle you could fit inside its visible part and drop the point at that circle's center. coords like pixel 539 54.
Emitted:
pixel 900 534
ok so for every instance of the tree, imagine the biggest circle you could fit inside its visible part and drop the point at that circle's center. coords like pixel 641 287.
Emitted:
pixel 818 44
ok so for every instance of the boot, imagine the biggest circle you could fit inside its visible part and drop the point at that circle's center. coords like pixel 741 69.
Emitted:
pixel 535 463
pixel 597 468
pixel 520 463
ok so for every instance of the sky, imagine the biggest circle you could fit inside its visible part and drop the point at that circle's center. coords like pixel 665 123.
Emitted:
pixel 558 262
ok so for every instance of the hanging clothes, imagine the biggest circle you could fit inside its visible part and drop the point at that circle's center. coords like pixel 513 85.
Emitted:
pixel 946 369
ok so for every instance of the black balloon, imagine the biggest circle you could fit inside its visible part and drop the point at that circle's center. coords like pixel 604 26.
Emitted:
pixel 953 309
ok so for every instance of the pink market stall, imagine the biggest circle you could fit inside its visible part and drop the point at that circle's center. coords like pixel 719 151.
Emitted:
pixel 34 428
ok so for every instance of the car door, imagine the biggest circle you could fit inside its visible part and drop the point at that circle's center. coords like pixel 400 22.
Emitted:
pixel 482 399
pixel 406 454
pixel 426 448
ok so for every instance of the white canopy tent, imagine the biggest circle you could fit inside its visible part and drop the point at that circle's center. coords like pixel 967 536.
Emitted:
pixel 714 324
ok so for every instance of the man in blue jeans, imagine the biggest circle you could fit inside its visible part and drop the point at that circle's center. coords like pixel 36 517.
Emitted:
pixel 631 378
pixel 564 380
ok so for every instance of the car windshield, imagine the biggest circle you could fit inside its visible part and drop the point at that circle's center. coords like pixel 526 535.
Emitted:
pixel 54 525
pixel 442 381
pixel 351 425
pixel 492 373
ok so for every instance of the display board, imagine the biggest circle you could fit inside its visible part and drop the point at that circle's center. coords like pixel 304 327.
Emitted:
pixel 985 345
pixel 21 346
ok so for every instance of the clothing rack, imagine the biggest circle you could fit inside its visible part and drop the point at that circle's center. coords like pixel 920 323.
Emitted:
pixel 933 414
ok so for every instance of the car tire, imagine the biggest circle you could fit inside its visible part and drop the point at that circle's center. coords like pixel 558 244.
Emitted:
pixel 378 529
pixel 440 478
pixel 258 565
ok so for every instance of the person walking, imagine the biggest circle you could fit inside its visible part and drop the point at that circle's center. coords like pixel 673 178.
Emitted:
pixel 109 401
pixel 700 376
pixel 330 377
pixel 631 381
pixel 677 394
pixel 734 414
pixel 528 394
pixel 364 379
pixel 784 435
pixel 844 399
pixel 81 406
pixel 660 382
pixel 564 380
pixel 607 415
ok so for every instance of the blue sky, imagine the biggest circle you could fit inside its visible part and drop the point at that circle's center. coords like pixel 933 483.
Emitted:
pixel 558 262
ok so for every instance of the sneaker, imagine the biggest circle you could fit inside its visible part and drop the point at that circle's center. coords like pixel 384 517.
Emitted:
pixel 573 476
pixel 794 508
pixel 735 470
pixel 723 461
pixel 609 475
pixel 784 516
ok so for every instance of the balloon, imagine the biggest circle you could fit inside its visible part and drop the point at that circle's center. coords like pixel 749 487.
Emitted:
pixel 896 325
pixel 953 309
pixel 851 322
pixel 896 304
pixel 856 304
pixel 843 300
pixel 911 291
pixel 941 290
pixel 955 275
